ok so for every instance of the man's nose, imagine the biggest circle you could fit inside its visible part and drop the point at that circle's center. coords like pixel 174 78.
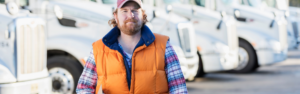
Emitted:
pixel 130 14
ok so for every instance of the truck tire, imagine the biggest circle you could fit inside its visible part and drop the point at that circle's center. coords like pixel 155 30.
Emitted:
pixel 247 58
pixel 200 72
pixel 65 72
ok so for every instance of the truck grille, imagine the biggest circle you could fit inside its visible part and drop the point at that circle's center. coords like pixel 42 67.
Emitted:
pixel 184 36
pixel 31 52
pixel 186 40
pixel 295 29
pixel 283 36
pixel 232 37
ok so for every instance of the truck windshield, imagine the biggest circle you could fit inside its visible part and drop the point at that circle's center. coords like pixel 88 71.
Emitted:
pixel 294 3
pixel 200 2
pixel 24 2
pixel 230 2
pixel 259 3
pixel 282 4
pixel 171 1
pixel 279 4
pixel 109 1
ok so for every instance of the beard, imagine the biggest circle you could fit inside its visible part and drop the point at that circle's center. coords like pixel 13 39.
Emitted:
pixel 132 28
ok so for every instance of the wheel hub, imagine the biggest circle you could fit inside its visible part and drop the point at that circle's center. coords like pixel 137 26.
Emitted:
pixel 243 58
pixel 56 84
pixel 62 81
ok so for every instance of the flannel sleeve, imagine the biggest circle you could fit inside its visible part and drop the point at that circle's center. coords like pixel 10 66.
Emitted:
pixel 176 81
pixel 88 79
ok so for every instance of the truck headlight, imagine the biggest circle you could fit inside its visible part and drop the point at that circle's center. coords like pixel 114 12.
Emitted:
pixel 275 45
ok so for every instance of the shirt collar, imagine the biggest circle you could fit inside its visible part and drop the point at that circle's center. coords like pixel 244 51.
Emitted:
pixel 111 38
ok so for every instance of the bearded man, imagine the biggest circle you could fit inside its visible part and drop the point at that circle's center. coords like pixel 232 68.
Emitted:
pixel 132 59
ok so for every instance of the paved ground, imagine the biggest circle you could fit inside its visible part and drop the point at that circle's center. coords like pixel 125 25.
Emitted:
pixel 282 78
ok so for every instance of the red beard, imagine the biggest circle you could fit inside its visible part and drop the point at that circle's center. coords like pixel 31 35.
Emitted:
pixel 132 28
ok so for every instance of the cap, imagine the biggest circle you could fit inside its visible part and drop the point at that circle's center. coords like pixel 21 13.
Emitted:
pixel 120 3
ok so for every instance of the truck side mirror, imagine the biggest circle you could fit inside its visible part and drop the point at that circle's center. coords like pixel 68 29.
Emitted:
pixel 272 23
pixel 193 11
pixel 155 14
pixel 12 8
pixel 237 15
pixel 169 8
pixel 58 12
pixel 223 13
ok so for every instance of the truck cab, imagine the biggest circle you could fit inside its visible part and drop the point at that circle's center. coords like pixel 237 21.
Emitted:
pixel 216 35
pixel 23 51
pixel 71 29
pixel 279 8
pixel 262 36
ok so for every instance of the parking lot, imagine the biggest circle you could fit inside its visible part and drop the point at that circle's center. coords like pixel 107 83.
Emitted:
pixel 281 78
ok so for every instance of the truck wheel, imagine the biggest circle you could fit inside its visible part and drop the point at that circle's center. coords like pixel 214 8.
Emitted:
pixel 200 72
pixel 65 72
pixel 247 58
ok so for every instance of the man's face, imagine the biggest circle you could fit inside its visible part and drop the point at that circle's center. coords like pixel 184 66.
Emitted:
pixel 129 18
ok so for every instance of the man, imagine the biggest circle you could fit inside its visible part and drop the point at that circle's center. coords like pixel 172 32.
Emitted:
pixel 131 59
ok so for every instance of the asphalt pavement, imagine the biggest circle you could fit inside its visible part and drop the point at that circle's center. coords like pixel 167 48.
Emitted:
pixel 281 78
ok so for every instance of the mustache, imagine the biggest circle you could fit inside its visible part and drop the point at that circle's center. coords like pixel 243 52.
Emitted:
pixel 131 20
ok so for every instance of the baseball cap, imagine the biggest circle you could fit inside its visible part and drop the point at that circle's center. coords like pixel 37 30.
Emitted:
pixel 120 3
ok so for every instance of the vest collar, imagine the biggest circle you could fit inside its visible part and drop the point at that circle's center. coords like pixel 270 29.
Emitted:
pixel 111 38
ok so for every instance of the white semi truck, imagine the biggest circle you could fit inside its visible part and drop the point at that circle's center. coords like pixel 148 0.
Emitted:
pixel 293 12
pixel 262 36
pixel 216 35
pixel 22 51
pixel 73 25
pixel 294 15
pixel 279 8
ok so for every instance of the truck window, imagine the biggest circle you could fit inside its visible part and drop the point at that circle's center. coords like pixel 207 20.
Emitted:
pixel 228 2
pixel 242 2
pixel 109 1
pixel 200 2
pixel 294 3
pixel 171 1
pixel 24 2
pixel 2 1
pixel 281 4
pixel 258 3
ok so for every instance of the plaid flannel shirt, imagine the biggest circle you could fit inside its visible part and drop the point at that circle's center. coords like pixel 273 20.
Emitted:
pixel 176 82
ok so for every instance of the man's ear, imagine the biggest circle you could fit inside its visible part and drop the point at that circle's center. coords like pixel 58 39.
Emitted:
pixel 116 17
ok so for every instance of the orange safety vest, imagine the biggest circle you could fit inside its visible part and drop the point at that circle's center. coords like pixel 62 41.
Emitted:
pixel 148 69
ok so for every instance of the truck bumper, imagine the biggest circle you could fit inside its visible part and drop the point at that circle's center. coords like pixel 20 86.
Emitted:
pixel 189 66
pixel 269 57
pixel 217 62
pixel 37 86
